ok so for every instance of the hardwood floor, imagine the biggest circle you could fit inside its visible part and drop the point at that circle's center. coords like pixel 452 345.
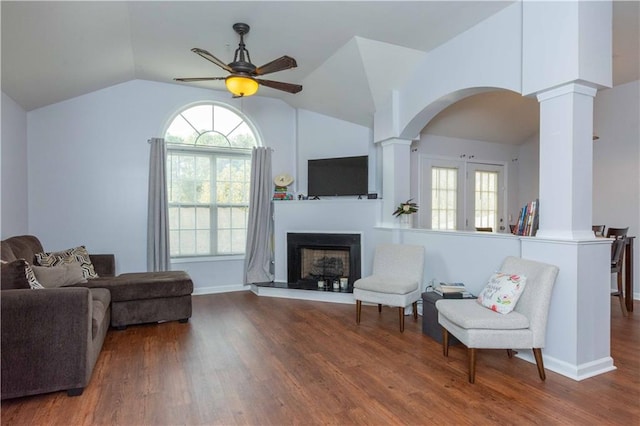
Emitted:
pixel 249 360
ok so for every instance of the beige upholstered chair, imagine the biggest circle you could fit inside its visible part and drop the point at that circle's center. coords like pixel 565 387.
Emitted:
pixel 523 328
pixel 395 280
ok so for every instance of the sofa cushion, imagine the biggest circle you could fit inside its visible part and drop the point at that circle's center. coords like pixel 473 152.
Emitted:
pixel 144 285
pixel 6 253
pixel 469 314
pixel 59 276
pixel 13 275
pixel 100 299
pixel 380 284
pixel 76 254
pixel 18 275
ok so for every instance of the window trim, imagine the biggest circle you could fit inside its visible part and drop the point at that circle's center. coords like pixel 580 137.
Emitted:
pixel 212 152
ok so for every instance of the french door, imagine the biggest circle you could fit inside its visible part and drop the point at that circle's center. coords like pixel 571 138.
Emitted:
pixel 461 195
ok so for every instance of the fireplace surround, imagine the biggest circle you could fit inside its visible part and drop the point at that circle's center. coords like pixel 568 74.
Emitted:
pixel 313 257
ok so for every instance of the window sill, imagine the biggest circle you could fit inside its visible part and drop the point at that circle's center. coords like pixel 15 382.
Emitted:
pixel 197 259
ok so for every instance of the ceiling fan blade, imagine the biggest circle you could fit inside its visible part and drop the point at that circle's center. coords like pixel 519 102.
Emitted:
pixel 283 63
pixel 199 79
pixel 209 57
pixel 287 87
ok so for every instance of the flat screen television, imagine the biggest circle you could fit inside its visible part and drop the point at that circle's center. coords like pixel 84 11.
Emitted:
pixel 338 176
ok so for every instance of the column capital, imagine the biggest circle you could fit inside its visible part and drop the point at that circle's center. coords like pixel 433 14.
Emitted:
pixel 395 141
pixel 566 89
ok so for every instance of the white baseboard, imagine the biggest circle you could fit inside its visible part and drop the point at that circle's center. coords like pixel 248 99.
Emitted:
pixel 575 372
pixel 220 289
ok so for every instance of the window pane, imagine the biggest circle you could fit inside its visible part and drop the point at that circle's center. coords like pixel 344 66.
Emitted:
pixel 187 218
pixel 187 242
pixel 205 181
pixel 238 241
pixel 224 218
pixel 239 217
pixel 444 195
pixel 203 239
pixel 200 117
pixel 223 169
pixel 226 120
pixel 486 199
pixel 213 139
pixel 180 132
pixel 203 217
pixel 242 137
pixel 224 241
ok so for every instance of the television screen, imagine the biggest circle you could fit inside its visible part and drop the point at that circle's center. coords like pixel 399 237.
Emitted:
pixel 338 176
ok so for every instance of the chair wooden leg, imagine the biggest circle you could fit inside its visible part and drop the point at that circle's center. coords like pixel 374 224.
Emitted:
pixel 415 311
pixel 510 353
pixel 401 314
pixel 537 353
pixel 379 308
pixel 445 342
pixel 623 305
pixel 472 364
pixel 358 311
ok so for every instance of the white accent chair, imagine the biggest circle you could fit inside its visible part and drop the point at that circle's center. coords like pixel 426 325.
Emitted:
pixel 395 280
pixel 525 327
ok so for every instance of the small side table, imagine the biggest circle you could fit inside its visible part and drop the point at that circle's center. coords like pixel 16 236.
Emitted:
pixel 430 326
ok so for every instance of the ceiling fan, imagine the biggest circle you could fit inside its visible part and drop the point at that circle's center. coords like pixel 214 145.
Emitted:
pixel 242 81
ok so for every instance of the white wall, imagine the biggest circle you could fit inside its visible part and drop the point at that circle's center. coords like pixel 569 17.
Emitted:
pixel 616 163
pixel 13 176
pixel 528 170
pixel 320 136
pixel 88 167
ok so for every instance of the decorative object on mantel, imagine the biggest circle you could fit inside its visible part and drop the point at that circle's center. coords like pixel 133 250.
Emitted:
pixel 282 183
pixel 405 211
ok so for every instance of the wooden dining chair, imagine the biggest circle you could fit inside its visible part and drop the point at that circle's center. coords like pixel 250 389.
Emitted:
pixel 598 230
pixel 617 233
pixel 617 257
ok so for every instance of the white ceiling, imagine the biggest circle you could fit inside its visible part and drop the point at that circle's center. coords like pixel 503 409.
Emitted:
pixel 349 54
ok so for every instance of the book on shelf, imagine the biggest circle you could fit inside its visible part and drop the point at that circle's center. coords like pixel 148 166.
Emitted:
pixel 528 219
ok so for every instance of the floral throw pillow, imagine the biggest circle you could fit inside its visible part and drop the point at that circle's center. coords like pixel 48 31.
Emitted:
pixel 77 254
pixel 502 292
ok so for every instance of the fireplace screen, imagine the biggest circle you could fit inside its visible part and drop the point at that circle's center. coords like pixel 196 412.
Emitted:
pixel 325 264
pixel 315 257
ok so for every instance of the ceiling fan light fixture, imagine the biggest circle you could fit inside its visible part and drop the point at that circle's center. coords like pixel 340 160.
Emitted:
pixel 241 85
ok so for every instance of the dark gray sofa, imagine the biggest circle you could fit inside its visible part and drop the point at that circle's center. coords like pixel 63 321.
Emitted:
pixel 51 338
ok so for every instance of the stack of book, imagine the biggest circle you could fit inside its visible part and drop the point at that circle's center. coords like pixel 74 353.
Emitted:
pixel 528 219
pixel 452 290
pixel 280 193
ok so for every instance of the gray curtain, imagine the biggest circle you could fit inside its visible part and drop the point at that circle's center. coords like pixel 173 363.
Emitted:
pixel 158 258
pixel 259 253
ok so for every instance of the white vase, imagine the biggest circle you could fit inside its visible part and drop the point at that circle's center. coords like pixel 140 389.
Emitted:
pixel 406 220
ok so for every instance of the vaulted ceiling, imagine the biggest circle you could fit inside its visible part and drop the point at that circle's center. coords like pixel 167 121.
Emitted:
pixel 349 54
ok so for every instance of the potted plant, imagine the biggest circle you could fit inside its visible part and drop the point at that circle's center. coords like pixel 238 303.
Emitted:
pixel 404 212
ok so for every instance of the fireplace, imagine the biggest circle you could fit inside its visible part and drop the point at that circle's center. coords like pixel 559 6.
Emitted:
pixel 314 257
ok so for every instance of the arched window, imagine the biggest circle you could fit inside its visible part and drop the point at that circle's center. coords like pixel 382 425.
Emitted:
pixel 208 172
